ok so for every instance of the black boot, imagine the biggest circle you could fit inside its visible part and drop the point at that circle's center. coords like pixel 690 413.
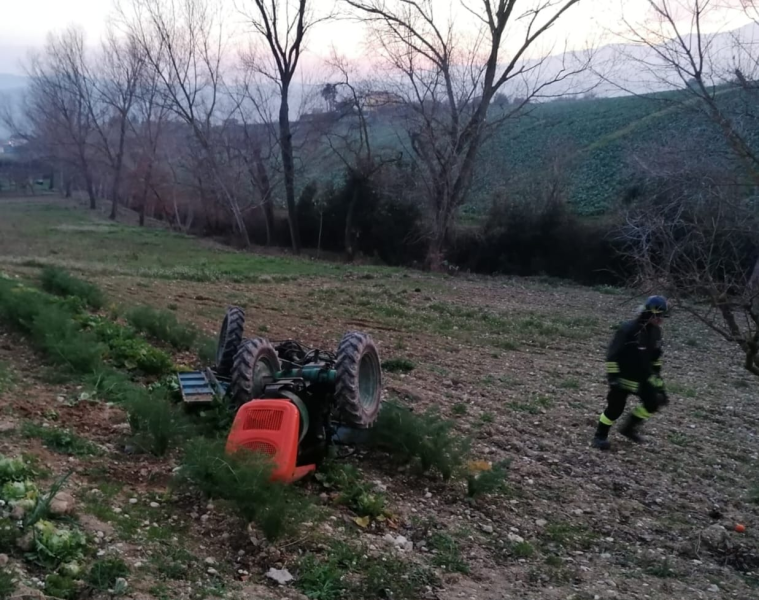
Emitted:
pixel 630 429
pixel 601 439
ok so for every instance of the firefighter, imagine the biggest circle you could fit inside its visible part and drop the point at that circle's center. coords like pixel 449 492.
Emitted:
pixel 633 366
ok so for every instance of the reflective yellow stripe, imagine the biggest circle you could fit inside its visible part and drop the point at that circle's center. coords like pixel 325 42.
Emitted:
pixel 605 420
pixel 655 381
pixel 641 412
pixel 630 386
pixel 612 367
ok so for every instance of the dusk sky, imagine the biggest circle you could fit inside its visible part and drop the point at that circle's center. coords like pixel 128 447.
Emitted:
pixel 25 23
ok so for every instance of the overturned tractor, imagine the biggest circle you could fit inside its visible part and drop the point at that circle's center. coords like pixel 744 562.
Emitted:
pixel 290 402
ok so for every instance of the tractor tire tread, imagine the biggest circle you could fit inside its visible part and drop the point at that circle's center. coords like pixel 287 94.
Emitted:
pixel 353 347
pixel 241 389
pixel 227 348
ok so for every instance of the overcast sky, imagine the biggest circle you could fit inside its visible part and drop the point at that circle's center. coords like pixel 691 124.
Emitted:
pixel 25 23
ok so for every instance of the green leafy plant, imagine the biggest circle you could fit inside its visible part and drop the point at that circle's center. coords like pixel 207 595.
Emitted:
pixel 243 479
pixel 9 533
pixel 321 579
pixel 56 544
pixel 127 350
pixel 207 351
pixel 355 493
pixel 425 438
pixel 63 441
pixel 13 469
pixel 163 326
pixel 7 584
pixel 61 283
pixel 488 481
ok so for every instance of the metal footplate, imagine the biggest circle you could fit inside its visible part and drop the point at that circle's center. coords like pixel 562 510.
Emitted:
pixel 201 387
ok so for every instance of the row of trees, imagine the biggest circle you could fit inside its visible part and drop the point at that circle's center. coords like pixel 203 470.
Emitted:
pixel 174 111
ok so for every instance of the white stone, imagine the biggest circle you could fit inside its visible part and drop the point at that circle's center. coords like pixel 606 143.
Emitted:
pixel 713 588
pixel 281 576
pixel 487 528
pixel 133 501
pixel 154 505
pixel 513 537
pixel 541 522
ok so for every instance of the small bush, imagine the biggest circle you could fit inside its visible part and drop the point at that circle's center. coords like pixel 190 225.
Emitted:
pixel 104 573
pixel 489 481
pixel 243 479
pixel 65 343
pixel 523 550
pixel 7 584
pixel 63 441
pixel 426 438
pixel 163 326
pixel 59 282
pixel 398 365
pixel 459 409
pixel 126 350
pixel 157 425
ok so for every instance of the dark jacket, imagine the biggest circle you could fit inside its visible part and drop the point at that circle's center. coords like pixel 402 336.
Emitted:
pixel 635 353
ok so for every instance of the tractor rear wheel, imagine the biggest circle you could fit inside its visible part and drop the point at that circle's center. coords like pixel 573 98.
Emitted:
pixel 358 384
pixel 255 362
pixel 230 336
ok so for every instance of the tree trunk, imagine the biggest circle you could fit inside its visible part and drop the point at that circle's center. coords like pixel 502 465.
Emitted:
pixel 350 236
pixel 266 195
pixel 91 192
pixel 67 186
pixel 288 164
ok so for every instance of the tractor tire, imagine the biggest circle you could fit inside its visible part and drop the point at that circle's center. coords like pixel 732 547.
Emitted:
pixel 358 383
pixel 230 337
pixel 255 360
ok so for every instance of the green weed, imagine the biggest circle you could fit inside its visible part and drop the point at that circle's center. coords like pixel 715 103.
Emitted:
pixel 487 417
pixel 7 584
pixel 163 326
pixel 491 481
pixel 568 536
pixel 447 554
pixel 523 550
pixel 398 365
pixel 104 573
pixel 7 379
pixel 660 568
pixel 459 409
pixel 321 579
pixel 9 533
pixel 63 441
pixel 425 438
pixel 355 493
pixel 679 439
pixel 243 479
pixel 126 350
pixel 570 384
pixel 60 283
pixel 61 586
pixel 207 351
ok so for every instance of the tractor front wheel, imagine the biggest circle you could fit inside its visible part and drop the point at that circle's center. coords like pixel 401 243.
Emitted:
pixel 255 363
pixel 230 336
pixel 358 384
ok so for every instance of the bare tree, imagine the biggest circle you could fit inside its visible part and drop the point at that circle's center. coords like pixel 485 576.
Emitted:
pixel 282 27
pixel 56 108
pixel 695 236
pixel 451 76
pixel 112 93
pixel 182 42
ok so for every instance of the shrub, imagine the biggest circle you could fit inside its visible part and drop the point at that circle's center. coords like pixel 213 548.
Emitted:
pixel 321 579
pixel 488 481
pixel 425 438
pixel 398 365
pixel 104 573
pixel 63 441
pixel 55 545
pixel 243 479
pixel 65 343
pixel 59 282
pixel 157 425
pixel 163 326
